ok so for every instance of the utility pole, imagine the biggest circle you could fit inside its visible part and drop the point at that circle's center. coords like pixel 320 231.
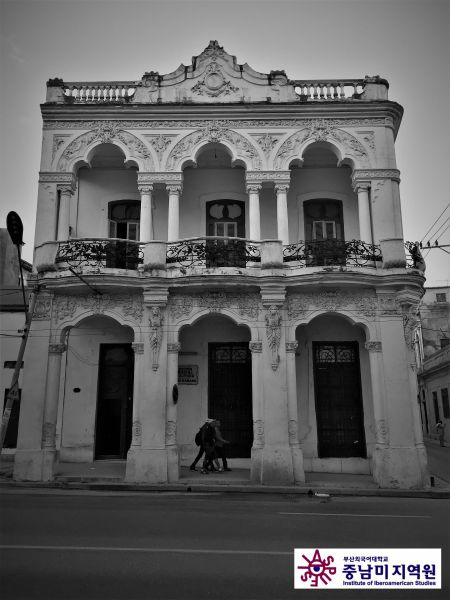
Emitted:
pixel 15 230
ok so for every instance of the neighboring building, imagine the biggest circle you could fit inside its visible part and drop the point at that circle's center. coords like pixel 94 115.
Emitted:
pixel 217 242
pixel 434 360
pixel 12 321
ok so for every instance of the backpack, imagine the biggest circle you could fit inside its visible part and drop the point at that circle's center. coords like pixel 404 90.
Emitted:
pixel 198 437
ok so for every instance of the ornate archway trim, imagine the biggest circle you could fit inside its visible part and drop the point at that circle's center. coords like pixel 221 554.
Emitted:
pixel 106 132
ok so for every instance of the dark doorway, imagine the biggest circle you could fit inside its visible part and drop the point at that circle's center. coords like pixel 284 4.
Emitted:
pixel 115 401
pixel 230 395
pixel 337 382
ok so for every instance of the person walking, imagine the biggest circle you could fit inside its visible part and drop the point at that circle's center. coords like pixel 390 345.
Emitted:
pixel 208 443
pixel 440 428
pixel 220 443
pixel 201 450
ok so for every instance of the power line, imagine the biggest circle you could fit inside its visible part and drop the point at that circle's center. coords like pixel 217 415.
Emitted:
pixel 435 222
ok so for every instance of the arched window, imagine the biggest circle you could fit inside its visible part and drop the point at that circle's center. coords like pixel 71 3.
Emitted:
pixel 323 220
pixel 324 232
pixel 225 219
pixel 124 216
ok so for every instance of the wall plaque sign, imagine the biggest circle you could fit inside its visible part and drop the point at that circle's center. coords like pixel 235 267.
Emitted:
pixel 188 374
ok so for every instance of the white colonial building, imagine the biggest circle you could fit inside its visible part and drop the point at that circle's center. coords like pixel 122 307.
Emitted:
pixel 218 242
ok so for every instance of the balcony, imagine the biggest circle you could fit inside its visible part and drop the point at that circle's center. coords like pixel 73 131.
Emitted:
pixel 213 252
pixel 203 253
pixel 332 253
pixel 99 254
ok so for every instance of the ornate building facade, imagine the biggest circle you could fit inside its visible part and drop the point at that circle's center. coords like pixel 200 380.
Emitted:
pixel 218 242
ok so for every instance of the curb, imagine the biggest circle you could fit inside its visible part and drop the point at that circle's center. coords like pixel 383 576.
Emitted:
pixel 225 488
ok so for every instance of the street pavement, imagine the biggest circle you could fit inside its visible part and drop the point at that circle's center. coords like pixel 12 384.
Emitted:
pixel 85 545
pixel 438 460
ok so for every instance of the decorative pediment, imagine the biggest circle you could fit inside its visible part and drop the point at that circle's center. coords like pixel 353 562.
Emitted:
pixel 213 77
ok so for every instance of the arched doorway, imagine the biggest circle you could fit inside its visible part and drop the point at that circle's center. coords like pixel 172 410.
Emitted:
pixel 114 401
pixel 335 390
pixel 217 351
pixel 97 404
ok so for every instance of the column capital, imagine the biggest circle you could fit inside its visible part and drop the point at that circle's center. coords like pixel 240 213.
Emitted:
pixel 373 346
pixel 173 188
pixel 65 188
pixel 361 186
pixel 146 188
pixel 253 188
pixel 291 347
pixel 281 186
pixel 255 347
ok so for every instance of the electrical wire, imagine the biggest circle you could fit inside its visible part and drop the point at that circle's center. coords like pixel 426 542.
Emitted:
pixel 425 235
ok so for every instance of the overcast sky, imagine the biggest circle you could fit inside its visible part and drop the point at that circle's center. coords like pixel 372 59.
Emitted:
pixel 404 41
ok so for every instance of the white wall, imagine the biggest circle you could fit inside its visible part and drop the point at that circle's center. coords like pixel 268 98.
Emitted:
pixel 80 370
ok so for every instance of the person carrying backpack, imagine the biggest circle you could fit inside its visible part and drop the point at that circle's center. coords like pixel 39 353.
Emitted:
pixel 206 435
pixel 208 443
pixel 201 450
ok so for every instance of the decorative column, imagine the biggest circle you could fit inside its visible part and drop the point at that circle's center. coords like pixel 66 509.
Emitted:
pixel 140 368
pixel 258 413
pixel 51 409
pixel 282 212
pixel 365 226
pixel 173 231
pixel 254 213
pixel 138 393
pixel 291 376
pixel 146 220
pixel 378 395
pixel 171 411
pixel 66 191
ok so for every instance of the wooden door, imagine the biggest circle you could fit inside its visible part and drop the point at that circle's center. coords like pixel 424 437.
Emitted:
pixel 114 401
pixel 337 381
pixel 230 395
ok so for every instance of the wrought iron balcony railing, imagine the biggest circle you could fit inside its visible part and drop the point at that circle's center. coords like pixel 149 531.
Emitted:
pixel 98 254
pixel 213 252
pixel 332 253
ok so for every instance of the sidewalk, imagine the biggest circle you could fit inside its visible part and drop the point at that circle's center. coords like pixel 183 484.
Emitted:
pixel 109 476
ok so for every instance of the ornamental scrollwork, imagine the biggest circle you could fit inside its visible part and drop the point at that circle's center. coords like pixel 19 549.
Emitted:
pixel 293 432
pixel 273 333
pixel 171 433
pixel 214 83
pixel 42 309
pixel 373 346
pixel 333 301
pixel 258 433
pixel 64 307
pixel 213 131
pixel 156 320
pixel 180 306
pixel 136 433
pixel 197 123
pixel 105 132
